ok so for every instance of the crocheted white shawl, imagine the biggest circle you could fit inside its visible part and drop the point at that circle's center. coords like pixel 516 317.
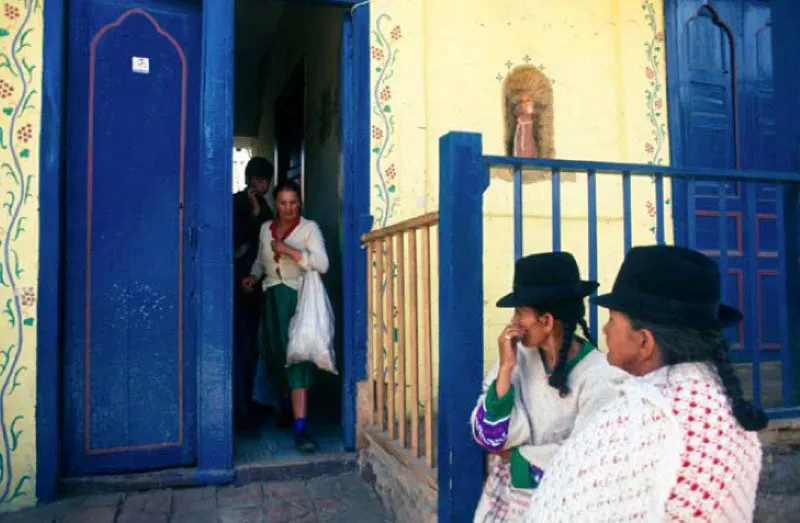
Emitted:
pixel 669 449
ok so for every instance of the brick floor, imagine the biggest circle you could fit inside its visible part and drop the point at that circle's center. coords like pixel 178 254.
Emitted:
pixel 336 499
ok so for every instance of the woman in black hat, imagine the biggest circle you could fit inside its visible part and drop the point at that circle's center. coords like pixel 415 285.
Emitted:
pixel 681 441
pixel 547 380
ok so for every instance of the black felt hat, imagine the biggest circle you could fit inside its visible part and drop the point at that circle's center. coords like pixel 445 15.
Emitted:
pixel 542 279
pixel 670 285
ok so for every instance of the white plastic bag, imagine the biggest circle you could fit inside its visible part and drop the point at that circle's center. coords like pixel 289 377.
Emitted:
pixel 311 329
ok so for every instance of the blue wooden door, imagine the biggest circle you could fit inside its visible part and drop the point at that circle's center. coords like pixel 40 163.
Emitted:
pixel 727 120
pixel 132 159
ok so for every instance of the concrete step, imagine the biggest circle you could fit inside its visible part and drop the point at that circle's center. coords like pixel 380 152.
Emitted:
pixel 337 498
pixel 295 468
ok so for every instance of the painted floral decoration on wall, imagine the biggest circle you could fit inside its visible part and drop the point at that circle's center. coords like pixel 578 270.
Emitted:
pixel 384 56
pixel 654 99
pixel 18 133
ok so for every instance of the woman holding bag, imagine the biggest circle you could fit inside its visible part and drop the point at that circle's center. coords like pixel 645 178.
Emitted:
pixel 289 247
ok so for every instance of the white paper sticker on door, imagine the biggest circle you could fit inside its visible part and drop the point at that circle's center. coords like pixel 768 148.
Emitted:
pixel 141 65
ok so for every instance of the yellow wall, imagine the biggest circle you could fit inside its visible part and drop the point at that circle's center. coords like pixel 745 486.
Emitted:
pixel 20 101
pixel 439 66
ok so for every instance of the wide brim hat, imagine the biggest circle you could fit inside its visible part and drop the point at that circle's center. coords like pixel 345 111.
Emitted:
pixel 546 278
pixel 671 286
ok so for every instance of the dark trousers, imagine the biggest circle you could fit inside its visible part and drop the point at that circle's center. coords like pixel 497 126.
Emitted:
pixel 246 313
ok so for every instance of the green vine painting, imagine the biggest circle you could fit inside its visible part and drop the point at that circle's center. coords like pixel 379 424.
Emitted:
pixel 19 27
pixel 384 57
pixel 654 99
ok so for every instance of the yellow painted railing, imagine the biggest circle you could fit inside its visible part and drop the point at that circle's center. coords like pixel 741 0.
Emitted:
pixel 400 365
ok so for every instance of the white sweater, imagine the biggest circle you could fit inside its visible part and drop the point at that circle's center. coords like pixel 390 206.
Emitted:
pixel 667 450
pixel 541 419
pixel 307 238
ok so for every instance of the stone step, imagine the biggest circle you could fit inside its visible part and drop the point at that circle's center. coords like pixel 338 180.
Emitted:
pixel 295 468
pixel 337 498
pixel 777 508
pixel 780 472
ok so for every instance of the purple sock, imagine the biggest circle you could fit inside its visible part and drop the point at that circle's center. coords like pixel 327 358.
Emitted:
pixel 299 426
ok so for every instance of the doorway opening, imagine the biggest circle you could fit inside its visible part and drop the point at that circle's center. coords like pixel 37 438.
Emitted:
pixel 286 109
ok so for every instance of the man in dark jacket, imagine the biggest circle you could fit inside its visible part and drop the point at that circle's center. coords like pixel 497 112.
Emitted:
pixel 250 211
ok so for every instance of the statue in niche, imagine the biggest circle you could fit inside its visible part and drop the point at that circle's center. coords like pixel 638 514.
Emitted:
pixel 528 115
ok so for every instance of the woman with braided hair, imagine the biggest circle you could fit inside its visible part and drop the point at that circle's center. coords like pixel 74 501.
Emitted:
pixel 680 442
pixel 546 383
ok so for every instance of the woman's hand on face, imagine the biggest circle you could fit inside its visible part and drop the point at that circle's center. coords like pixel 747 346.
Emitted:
pixel 507 345
pixel 249 283
pixel 255 205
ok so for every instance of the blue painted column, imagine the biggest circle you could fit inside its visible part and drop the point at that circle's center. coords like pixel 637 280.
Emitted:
pixel 48 360
pixel 463 180
pixel 787 87
pixel 214 239
pixel 355 132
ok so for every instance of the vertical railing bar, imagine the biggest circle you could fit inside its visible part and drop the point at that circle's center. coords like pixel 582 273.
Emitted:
pixel 390 344
pixel 783 299
pixel 517 213
pixel 691 212
pixel 592 189
pixel 401 337
pixel 723 239
pixel 555 185
pixel 379 320
pixel 659 209
pixel 754 295
pixel 626 210
pixel 427 344
pixel 414 341
pixel 371 338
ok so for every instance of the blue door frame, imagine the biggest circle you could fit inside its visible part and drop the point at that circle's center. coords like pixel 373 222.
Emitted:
pixel 215 427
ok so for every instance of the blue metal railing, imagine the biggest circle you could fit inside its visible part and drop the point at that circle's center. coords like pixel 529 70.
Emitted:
pixel 464 176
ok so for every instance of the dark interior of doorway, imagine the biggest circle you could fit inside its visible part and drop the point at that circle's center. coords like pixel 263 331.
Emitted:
pixel 286 109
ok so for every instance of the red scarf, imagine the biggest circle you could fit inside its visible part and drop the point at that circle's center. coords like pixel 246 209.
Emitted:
pixel 273 227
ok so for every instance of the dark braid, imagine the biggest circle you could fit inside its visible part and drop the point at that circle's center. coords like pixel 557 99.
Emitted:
pixel 558 379
pixel 750 417
pixel 680 345
pixel 586 332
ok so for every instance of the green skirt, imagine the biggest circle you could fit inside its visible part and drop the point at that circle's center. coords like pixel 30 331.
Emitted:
pixel 280 302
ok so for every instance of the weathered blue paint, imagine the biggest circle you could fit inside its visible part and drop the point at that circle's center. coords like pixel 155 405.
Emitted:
pixel 463 180
pixel 214 240
pixel 555 186
pixel 787 85
pixel 205 476
pixel 626 210
pixel 518 221
pixel 48 366
pixel 706 174
pixel 210 234
pixel 659 181
pixel 722 227
pixel 691 227
pixel 791 208
pixel 674 123
pixel 355 122
pixel 129 400
pixel 752 298
pixel 727 103
pixel 783 300
pixel 591 181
